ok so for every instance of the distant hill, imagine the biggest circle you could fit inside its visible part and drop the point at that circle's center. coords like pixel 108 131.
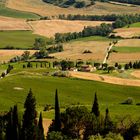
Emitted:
pixel 47 9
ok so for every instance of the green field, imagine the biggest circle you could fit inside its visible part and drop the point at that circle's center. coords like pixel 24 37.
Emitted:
pixel 18 39
pixel 135 24
pixel 71 92
pixel 127 49
pixel 4 11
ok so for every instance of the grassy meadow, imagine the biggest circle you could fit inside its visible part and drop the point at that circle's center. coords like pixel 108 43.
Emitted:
pixel 18 39
pixel 8 12
pixel 126 49
pixel 135 24
pixel 15 86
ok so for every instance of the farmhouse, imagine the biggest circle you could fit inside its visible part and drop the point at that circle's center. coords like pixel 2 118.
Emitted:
pixel 87 68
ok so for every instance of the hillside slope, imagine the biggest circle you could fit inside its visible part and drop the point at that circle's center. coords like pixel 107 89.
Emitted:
pixel 44 9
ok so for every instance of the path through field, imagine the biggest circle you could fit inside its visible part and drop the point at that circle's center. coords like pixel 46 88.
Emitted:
pixel 107 53
pixel 104 78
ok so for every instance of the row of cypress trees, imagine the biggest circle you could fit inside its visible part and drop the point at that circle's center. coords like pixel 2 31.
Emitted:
pixel 32 129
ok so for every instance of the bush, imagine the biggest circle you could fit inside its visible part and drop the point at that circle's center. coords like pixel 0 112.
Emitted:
pixel 128 101
pixel 110 136
pixel 87 51
pixel 79 4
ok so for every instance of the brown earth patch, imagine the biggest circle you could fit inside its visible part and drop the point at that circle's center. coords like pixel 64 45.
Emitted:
pixel 106 79
pixel 50 27
pixel 7 23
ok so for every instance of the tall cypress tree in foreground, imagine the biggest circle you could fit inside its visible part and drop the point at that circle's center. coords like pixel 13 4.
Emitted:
pixel 95 107
pixel 57 121
pixel 29 116
pixel 9 126
pixel 15 124
pixel 108 124
pixel 40 135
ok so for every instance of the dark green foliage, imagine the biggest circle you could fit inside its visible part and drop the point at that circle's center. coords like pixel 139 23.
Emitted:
pixel 9 127
pixel 10 67
pixel 80 4
pixel 29 65
pixel 126 66
pixel 132 131
pixel 57 48
pixel 102 30
pixel 41 54
pixel 66 65
pixel 29 117
pixel 110 69
pixel 25 56
pixel 136 2
pixel 67 3
pixel 15 124
pixel 57 121
pixel 74 121
pixel 40 129
pixel 108 124
pixel 57 136
pixel 39 43
pixel 95 107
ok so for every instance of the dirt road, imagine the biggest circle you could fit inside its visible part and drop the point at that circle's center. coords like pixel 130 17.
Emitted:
pixel 104 78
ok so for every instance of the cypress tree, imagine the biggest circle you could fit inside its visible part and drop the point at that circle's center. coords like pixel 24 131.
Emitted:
pixel 95 107
pixel 40 128
pixel 9 126
pixel 57 121
pixel 15 124
pixel 29 117
pixel 108 124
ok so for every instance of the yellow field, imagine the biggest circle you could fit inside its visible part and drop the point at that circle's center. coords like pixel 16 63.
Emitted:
pixel 74 50
pixel 41 8
pixel 129 43
pixel 124 57
pixel 48 28
pixel 7 23
pixel 6 55
pixel 127 32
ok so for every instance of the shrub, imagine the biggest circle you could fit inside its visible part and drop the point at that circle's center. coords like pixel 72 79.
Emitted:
pixel 128 101
pixel 87 51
